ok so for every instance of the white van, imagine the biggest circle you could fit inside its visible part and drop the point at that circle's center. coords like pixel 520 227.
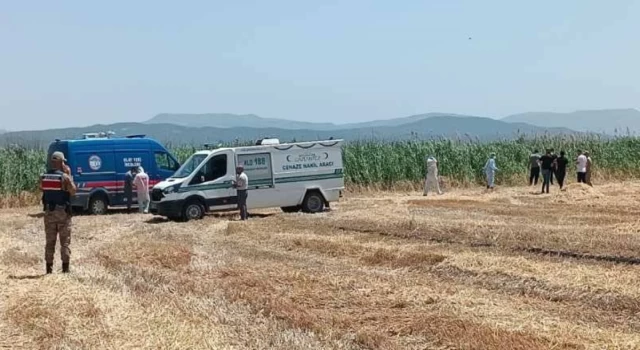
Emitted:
pixel 295 176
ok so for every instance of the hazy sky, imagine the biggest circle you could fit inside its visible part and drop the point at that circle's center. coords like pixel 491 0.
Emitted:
pixel 76 63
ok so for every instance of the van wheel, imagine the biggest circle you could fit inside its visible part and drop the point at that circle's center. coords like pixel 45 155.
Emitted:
pixel 313 202
pixel 98 205
pixel 293 209
pixel 193 210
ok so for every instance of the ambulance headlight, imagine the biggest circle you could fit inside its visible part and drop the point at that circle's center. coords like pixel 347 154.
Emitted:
pixel 170 189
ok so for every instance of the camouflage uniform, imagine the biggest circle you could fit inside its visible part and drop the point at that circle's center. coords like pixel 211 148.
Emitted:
pixel 57 188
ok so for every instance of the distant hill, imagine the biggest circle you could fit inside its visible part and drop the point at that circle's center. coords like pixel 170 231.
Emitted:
pixel 425 128
pixel 399 121
pixel 225 120
pixel 609 121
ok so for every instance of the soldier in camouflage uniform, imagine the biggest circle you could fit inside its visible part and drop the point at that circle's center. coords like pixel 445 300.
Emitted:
pixel 57 189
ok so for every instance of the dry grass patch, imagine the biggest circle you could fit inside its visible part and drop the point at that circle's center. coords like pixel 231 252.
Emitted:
pixel 152 252
pixel 398 258
pixel 375 320
pixel 448 203
pixel 15 256
pixel 348 247
pixel 54 318
pixel 24 199
pixel 38 319
pixel 394 271
pixel 530 287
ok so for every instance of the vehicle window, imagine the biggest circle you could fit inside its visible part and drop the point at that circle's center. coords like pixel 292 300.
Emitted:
pixel 173 165
pixel 215 168
pixel 189 166
pixel 163 161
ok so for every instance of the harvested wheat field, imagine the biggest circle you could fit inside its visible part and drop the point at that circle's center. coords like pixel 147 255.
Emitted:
pixel 466 270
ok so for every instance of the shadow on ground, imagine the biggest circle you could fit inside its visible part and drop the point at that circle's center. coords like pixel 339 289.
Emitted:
pixel 26 277
pixel 222 216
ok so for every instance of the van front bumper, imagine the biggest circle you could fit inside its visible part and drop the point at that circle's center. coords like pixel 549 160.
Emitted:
pixel 169 209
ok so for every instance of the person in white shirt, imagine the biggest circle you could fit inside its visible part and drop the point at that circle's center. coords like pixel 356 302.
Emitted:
pixel 587 177
pixel 242 184
pixel 581 167
pixel 432 175
pixel 141 182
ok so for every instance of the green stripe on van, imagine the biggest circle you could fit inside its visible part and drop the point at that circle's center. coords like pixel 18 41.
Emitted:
pixel 308 178
pixel 205 187
pixel 264 182
pixel 260 182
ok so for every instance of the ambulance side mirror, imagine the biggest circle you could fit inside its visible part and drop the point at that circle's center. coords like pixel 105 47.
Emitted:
pixel 197 179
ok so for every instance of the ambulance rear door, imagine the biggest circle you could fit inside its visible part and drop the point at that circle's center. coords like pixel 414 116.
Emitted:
pixel 258 167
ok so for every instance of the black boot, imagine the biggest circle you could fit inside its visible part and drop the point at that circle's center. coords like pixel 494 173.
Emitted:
pixel 65 267
pixel 49 268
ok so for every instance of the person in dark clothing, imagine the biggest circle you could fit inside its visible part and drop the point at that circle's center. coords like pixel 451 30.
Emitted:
pixel 561 168
pixel 546 163
pixel 534 168
pixel 554 156
pixel 128 187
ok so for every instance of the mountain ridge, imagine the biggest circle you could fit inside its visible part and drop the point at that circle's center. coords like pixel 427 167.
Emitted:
pixel 465 128
pixel 609 121
pixel 227 120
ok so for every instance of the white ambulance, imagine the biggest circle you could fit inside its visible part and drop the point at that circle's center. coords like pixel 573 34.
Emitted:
pixel 301 176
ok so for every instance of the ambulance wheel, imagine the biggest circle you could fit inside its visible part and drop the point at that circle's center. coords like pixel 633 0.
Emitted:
pixel 293 209
pixel 193 210
pixel 98 205
pixel 313 202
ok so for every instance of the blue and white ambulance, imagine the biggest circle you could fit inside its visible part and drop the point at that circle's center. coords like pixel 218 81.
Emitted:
pixel 99 164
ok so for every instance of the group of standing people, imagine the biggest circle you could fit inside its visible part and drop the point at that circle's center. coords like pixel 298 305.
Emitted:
pixel 136 177
pixel 550 165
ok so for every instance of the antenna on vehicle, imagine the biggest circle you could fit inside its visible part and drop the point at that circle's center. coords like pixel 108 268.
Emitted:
pixel 98 135
pixel 209 146
pixel 268 141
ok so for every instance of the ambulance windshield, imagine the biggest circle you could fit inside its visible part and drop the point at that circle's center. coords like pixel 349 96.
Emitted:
pixel 189 166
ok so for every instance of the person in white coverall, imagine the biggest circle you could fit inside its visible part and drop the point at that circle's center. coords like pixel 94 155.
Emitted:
pixel 432 175
pixel 490 169
pixel 141 181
